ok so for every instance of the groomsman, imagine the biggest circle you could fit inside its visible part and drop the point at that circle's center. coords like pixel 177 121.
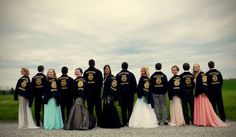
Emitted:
pixel 127 89
pixel 66 88
pixel 38 88
pixel 93 82
pixel 159 84
pixel 215 82
pixel 187 79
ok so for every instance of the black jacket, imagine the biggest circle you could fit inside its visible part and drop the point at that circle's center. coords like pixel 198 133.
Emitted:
pixel 52 91
pixel 38 84
pixel 93 80
pixel 201 84
pixel 175 87
pixel 144 89
pixel 66 86
pixel 79 88
pixel 187 79
pixel 127 83
pixel 214 81
pixel 110 89
pixel 159 83
pixel 23 88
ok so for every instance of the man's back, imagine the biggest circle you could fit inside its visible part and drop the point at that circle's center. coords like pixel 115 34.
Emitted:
pixel 127 82
pixel 93 78
pixel 66 84
pixel 187 79
pixel 214 79
pixel 38 84
pixel 159 82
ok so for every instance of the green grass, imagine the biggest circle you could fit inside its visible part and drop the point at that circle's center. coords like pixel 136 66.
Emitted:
pixel 229 96
pixel 9 108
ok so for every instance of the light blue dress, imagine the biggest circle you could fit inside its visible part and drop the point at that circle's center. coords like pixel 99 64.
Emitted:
pixel 52 115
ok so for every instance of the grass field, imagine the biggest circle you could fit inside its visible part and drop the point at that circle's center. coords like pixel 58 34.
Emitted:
pixel 9 108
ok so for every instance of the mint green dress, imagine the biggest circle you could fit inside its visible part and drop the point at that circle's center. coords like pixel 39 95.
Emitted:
pixel 52 115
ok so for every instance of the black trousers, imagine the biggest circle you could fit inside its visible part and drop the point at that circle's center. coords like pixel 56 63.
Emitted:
pixel 188 104
pixel 126 104
pixel 95 101
pixel 217 102
pixel 38 104
pixel 66 104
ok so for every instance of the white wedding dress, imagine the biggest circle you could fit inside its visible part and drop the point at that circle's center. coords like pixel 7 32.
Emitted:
pixel 143 115
pixel 25 119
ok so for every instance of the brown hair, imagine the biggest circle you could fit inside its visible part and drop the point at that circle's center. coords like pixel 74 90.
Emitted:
pixel 54 72
pixel 175 66
pixel 105 68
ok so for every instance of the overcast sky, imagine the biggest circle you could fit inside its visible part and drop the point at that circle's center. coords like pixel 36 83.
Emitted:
pixel 142 32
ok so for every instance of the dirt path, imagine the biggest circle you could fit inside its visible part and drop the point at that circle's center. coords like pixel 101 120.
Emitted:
pixel 10 130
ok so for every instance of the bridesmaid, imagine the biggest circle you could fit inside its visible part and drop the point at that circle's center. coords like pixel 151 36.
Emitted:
pixel 143 115
pixel 52 109
pixel 22 92
pixel 204 114
pixel 110 117
pixel 175 93
pixel 79 117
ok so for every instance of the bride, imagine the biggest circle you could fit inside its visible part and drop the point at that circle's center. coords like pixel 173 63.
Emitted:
pixel 143 114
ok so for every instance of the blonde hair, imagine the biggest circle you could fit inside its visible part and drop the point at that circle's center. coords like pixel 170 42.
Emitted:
pixel 146 70
pixel 54 72
pixel 194 72
pixel 26 70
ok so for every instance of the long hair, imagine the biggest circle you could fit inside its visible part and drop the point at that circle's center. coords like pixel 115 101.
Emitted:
pixel 146 70
pixel 105 68
pixel 194 72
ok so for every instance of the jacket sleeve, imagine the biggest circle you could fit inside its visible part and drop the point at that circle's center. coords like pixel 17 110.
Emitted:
pixel 46 93
pixel 134 84
pixel 193 83
pixel 152 83
pixel 31 96
pixel 150 98
pixel 33 86
pixel 165 84
pixel 74 89
pixel 100 80
pixel 170 91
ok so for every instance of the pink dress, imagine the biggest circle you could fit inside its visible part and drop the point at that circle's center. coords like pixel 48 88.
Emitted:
pixel 204 114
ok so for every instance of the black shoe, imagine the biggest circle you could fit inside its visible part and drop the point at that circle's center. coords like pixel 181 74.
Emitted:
pixel 165 123
pixel 38 124
pixel 99 124
pixel 123 125
pixel 159 123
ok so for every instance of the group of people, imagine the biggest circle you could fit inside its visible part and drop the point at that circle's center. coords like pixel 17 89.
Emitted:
pixel 61 100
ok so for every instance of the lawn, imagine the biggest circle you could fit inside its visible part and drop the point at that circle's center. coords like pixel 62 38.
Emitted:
pixel 9 108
